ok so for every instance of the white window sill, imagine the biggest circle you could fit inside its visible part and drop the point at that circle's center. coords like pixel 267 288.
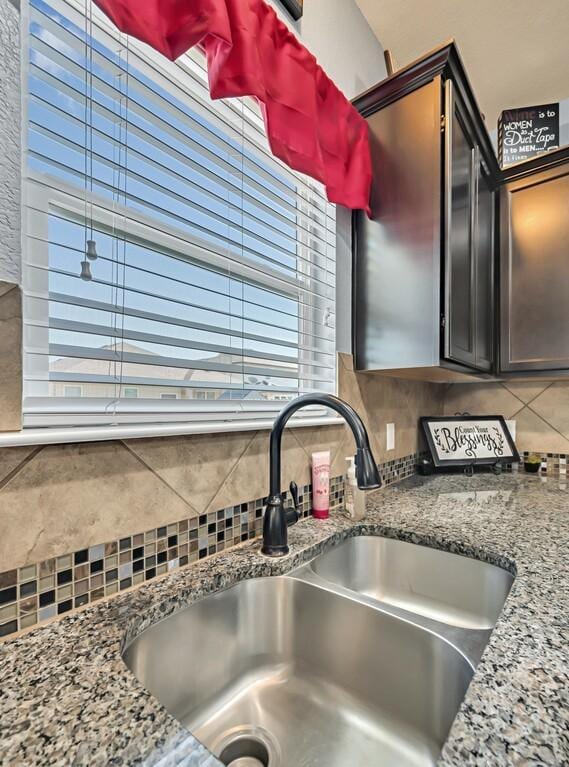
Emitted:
pixel 55 436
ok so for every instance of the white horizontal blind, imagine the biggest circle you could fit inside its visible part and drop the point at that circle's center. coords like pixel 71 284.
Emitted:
pixel 212 296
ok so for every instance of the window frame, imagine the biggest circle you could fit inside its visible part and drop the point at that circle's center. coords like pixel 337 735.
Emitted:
pixel 232 414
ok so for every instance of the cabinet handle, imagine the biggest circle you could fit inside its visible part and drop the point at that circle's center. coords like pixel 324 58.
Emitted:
pixel 448 126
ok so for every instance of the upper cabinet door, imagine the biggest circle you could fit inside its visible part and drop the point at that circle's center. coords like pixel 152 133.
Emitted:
pixel 460 273
pixel 484 238
pixel 396 274
pixel 534 229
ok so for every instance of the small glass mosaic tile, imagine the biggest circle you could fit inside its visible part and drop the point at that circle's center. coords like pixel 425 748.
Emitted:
pixel 551 463
pixel 400 468
pixel 41 591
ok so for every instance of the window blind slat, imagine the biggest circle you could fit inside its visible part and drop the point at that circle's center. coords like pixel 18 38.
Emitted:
pixel 216 241
pixel 323 283
pixel 268 319
pixel 41 316
pixel 239 367
pixel 148 382
pixel 212 148
pixel 233 119
pixel 212 297
pixel 265 202
pixel 257 247
pixel 74 328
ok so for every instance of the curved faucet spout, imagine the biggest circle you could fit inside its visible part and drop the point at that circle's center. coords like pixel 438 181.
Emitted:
pixel 367 475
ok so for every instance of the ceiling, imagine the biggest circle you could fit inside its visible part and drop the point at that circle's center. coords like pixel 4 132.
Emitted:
pixel 516 52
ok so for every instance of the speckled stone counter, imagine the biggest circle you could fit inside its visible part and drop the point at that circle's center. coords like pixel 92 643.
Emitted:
pixel 66 698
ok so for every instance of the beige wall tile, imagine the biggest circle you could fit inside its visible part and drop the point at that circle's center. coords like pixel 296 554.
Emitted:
pixel 481 399
pixel 346 448
pixel 541 426
pixel 319 438
pixel 381 400
pixel 71 496
pixel 249 479
pixel 11 357
pixel 6 286
pixel 535 435
pixel 346 360
pixel 553 406
pixel 66 497
pixel 195 466
pixel 525 390
pixel 11 458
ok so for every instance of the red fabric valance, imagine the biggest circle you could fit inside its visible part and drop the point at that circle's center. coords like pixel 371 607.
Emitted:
pixel 250 52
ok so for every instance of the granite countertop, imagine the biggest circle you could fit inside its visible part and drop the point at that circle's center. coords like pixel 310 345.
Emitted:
pixel 66 697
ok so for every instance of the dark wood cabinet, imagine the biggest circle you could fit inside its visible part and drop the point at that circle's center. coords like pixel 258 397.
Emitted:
pixel 423 266
pixel 469 245
pixel 484 286
pixel 396 274
pixel 431 298
pixel 460 257
pixel 534 245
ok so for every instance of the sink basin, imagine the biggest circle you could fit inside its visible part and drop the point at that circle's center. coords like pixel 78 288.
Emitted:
pixel 277 672
pixel 445 587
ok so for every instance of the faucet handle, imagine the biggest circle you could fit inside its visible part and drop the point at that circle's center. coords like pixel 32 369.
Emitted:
pixel 293 487
pixel 293 515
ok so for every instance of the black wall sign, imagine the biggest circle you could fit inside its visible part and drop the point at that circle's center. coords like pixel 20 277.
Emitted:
pixel 527 132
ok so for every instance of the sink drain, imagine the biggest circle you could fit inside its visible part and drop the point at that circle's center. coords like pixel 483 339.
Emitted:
pixel 245 751
pixel 249 746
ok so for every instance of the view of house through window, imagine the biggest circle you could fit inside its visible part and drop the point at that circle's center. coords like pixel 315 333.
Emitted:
pixel 173 268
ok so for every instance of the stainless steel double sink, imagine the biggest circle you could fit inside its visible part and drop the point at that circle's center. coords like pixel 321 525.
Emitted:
pixel 360 657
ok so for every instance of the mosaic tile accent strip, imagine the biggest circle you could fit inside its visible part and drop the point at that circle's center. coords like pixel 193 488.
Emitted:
pixel 401 468
pixel 38 592
pixel 551 463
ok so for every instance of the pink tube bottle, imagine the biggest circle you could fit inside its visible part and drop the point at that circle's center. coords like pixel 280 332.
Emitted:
pixel 321 485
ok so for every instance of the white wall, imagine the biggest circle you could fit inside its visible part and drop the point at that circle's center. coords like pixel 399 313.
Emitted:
pixel 336 32
pixel 10 247
pixel 564 121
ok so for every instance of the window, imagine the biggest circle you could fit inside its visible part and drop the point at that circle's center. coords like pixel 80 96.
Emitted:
pixel 214 274
pixel 205 394
pixel 72 391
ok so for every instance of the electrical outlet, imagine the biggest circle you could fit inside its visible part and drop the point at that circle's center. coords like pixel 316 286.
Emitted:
pixel 390 436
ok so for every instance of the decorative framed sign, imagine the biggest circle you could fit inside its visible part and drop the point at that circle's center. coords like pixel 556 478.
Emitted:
pixel 527 132
pixel 294 7
pixel 467 440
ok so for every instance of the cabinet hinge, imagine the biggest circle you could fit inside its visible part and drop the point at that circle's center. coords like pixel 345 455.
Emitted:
pixel 443 321
pixel 443 123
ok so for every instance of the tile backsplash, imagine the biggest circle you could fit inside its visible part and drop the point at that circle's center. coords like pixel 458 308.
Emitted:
pixel 539 408
pixel 40 591
pixel 554 464
pixel 380 400
pixel 79 522
pixel 60 498
pixel 11 357
pixel 399 469
pixel 82 521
